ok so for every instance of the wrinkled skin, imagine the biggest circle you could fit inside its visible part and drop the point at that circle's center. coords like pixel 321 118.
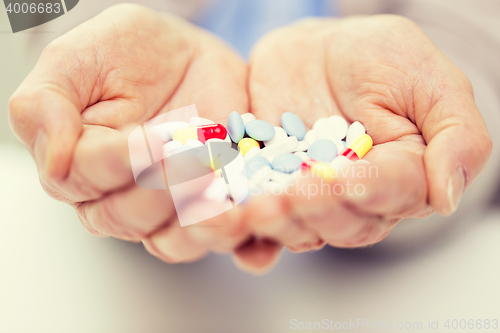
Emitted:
pixel 129 64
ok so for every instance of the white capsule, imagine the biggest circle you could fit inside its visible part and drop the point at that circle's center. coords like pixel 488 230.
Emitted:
pixel 311 136
pixel 165 131
pixel 282 147
pixel 247 117
pixel 251 153
pixel 279 134
pixel 170 147
pixel 354 131
pixel 197 121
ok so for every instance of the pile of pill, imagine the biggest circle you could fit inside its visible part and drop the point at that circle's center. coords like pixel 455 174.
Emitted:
pixel 275 156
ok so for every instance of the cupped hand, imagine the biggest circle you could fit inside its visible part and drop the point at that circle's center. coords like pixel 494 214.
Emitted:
pixel 91 86
pixel 430 140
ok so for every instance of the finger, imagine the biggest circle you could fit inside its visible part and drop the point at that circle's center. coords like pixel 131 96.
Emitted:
pixel 47 120
pixel 174 245
pixel 366 201
pixel 221 233
pixel 257 256
pixel 100 164
pixel 67 82
pixel 282 79
pixel 270 217
pixel 134 212
pixel 458 143
pixel 216 80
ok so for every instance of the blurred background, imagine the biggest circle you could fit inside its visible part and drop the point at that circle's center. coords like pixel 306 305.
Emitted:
pixel 55 277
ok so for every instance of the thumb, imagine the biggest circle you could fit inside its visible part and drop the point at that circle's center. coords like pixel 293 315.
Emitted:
pixel 48 123
pixel 458 143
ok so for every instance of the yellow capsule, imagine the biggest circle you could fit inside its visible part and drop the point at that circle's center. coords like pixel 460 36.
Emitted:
pixel 358 147
pixel 185 134
pixel 323 171
pixel 246 144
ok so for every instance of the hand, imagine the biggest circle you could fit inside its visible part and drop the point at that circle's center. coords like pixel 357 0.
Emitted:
pixel 74 111
pixel 383 71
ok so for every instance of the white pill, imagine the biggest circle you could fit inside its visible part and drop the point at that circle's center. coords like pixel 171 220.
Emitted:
pixel 338 125
pixel 341 164
pixel 302 155
pixel 279 134
pixel 193 143
pixel 282 147
pixel 247 117
pixel 354 130
pixel 165 131
pixel 217 190
pixel 303 146
pixel 262 175
pixel 311 137
pixel 318 123
pixel 179 150
pixel 251 153
pixel 214 140
pixel 197 121
pixel 334 128
pixel 228 138
pixel 170 147
pixel 285 178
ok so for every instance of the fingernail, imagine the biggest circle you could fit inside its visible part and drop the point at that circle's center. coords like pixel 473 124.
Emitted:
pixel 456 186
pixel 40 149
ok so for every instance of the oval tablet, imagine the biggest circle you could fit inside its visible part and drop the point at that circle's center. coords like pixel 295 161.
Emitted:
pixel 323 150
pixel 287 163
pixel 235 126
pixel 293 125
pixel 260 130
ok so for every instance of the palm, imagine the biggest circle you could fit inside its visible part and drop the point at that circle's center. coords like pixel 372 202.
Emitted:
pixel 382 71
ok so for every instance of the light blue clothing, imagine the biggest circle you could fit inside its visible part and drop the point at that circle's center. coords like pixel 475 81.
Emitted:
pixel 243 22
